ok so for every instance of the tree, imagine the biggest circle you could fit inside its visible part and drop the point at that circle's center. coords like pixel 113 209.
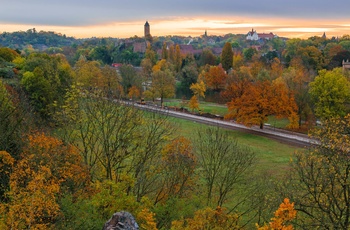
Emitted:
pixel 321 175
pixel 208 218
pixel 207 58
pixel 222 162
pixel 178 166
pixel 198 90
pixel 146 166
pixel 193 103
pixel 237 61
pixel 259 100
pixel 163 83
pixel 215 78
pixel 248 53
pixel 165 54
pixel 102 130
pixel 151 55
pixel 178 59
pixel 134 92
pixel 331 91
pixel 227 56
pixel 283 215
pixel 129 77
pixel 45 80
pixel 46 169
pixel 11 121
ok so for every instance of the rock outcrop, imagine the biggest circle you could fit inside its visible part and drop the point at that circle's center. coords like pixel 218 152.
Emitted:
pixel 121 221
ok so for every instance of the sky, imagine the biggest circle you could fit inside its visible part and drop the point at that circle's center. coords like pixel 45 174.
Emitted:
pixel 123 19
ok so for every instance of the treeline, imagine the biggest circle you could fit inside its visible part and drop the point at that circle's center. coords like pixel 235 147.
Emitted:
pixel 38 40
pixel 72 153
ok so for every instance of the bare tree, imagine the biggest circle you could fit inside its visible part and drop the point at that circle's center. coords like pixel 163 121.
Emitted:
pixel 222 162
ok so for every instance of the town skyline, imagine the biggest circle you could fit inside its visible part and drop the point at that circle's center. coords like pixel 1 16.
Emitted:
pixel 106 18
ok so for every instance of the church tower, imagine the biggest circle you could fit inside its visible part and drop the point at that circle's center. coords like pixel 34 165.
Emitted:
pixel 147 30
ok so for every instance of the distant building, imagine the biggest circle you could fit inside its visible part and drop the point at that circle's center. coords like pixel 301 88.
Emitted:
pixel 324 35
pixel 254 36
pixel 147 29
pixel 346 65
pixel 140 47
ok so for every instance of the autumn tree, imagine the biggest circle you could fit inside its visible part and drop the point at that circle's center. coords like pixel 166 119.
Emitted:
pixel 198 90
pixel 163 83
pixel 215 78
pixel 331 92
pixel 207 58
pixel 237 61
pixel 208 218
pixel 178 58
pixel 283 215
pixel 165 54
pixel 178 166
pixel 134 92
pixel 319 185
pixel 297 80
pixel 222 162
pixel 227 56
pixel 259 100
pixel 150 54
pixel 47 168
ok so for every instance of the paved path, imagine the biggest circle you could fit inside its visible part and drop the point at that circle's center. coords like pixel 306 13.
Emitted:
pixel 292 138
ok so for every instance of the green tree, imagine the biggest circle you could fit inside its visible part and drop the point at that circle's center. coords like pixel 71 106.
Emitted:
pixel 331 92
pixel 129 77
pixel 227 56
pixel 45 79
pixel 248 53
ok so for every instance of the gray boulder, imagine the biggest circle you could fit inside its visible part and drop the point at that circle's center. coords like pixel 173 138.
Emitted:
pixel 121 221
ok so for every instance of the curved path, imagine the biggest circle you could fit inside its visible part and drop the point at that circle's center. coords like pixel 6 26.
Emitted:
pixel 287 137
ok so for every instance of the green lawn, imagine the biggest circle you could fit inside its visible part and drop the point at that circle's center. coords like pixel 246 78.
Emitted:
pixel 218 109
pixel 205 107
pixel 272 156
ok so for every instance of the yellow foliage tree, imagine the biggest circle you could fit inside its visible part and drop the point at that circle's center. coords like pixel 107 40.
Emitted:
pixel 146 219
pixel 283 215
pixel 193 103
pixel 208 218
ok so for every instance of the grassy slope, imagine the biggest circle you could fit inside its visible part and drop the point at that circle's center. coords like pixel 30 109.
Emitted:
pixel 272 157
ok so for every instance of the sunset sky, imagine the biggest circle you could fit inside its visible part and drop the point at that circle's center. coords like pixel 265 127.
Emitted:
pixel 115 18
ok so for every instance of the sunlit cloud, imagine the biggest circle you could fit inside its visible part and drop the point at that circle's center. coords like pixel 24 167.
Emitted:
pixel 194 26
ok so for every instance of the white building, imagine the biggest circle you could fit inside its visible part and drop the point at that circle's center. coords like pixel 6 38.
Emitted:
pixel 252 35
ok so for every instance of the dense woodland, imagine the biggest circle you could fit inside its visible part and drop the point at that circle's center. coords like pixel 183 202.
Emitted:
pixel 72 153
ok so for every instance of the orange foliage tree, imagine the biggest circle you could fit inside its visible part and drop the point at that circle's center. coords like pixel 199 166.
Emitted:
pixel 259 100
pixel 215 78
pixel 46 169
pixel 283 215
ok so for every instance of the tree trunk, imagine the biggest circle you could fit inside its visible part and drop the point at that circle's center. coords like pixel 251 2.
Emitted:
pixel 261 125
